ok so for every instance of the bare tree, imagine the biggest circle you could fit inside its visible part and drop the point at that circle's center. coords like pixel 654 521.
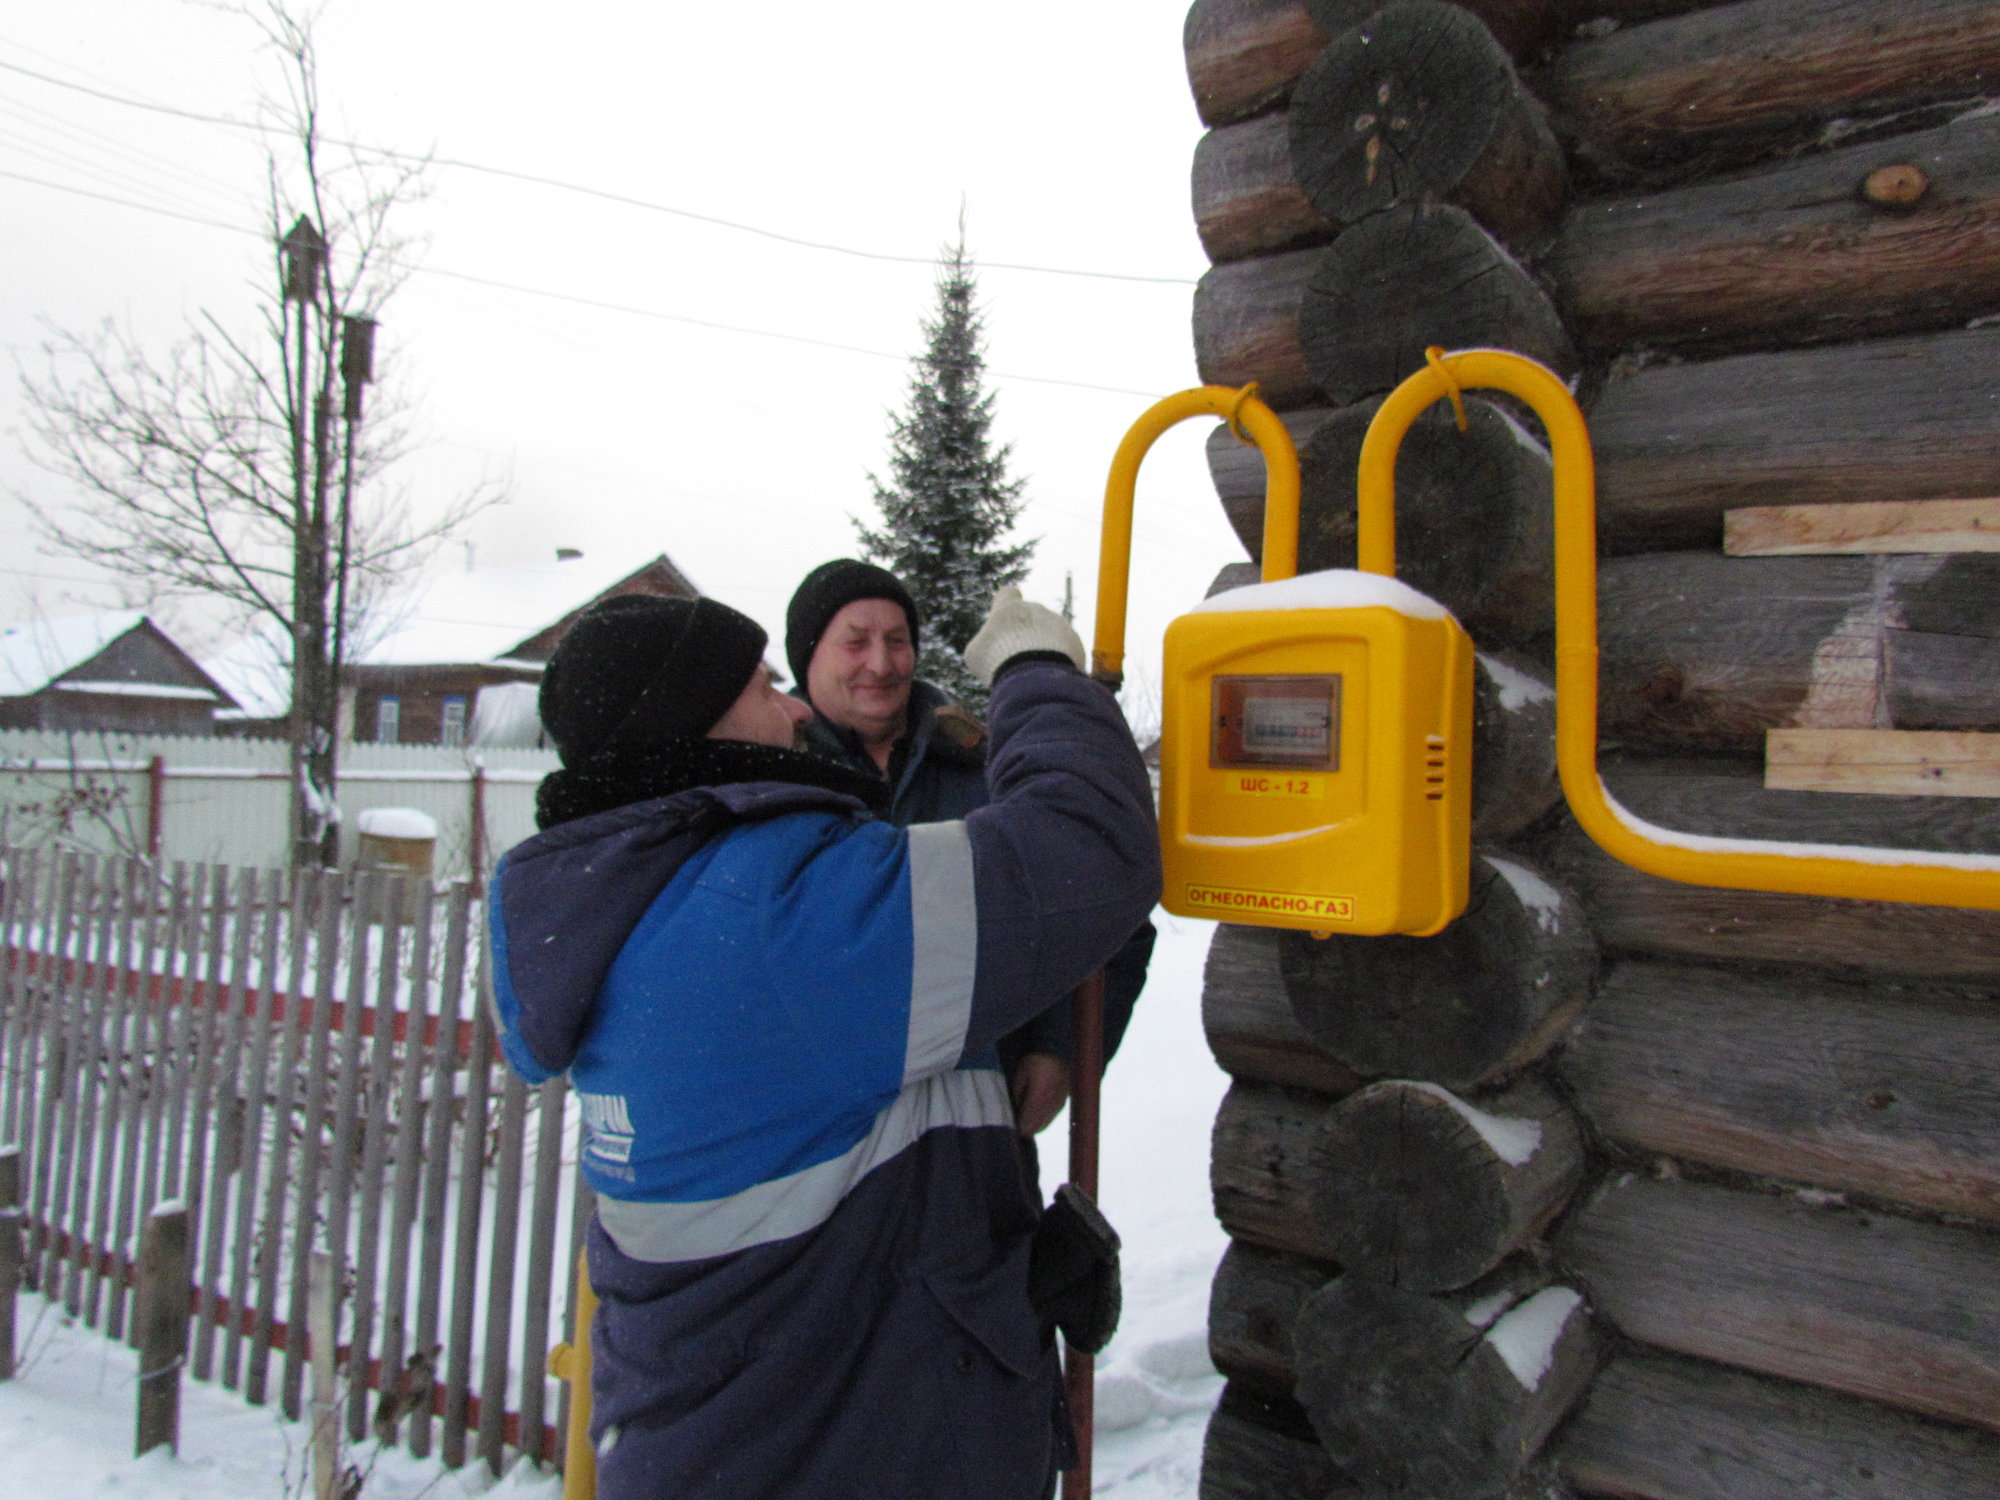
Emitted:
pixel 237 466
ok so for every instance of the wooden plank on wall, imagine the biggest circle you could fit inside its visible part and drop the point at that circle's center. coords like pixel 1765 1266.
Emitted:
pixel 1884 762
pixel 1863 526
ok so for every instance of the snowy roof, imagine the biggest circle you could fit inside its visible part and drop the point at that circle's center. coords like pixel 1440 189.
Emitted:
pixel 137 690
pixel 35 654
pixel 482 615
pixel 453 619
pixel 253 671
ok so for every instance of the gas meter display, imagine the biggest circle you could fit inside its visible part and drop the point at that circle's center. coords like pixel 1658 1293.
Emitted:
pixel 1276 721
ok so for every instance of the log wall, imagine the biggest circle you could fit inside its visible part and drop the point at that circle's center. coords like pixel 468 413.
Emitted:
pixel 1732 1159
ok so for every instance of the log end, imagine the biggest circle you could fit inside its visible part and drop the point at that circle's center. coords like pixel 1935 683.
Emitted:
pixel 1396 109
pixel 1410 1396
pixel 1410 277
pixel 1458 1008
pixel 1405 1188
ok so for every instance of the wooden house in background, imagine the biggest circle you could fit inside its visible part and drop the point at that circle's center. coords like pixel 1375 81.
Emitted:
pixel 485 631
pixel 113 673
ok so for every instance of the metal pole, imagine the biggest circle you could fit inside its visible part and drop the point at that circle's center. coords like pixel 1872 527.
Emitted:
pixel 357 367
pixel 1087 1068
pixel 304 851
pixel 330 855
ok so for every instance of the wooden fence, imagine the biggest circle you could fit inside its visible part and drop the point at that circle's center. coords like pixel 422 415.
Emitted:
pixel 303 1058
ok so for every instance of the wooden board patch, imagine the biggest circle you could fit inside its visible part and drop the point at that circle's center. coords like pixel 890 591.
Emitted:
pixel 1886 762
pixel 1872 526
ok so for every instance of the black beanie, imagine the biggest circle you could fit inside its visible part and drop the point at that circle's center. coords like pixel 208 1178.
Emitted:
pixel 826 591
pixel 635 670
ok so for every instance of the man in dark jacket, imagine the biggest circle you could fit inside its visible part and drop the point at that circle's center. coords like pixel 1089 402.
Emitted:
pixel 812 1236
pixel 851 634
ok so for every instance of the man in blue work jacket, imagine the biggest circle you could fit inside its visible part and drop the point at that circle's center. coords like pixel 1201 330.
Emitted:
pixel 779 1011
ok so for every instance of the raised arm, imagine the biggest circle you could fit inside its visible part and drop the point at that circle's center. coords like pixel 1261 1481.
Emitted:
pixel 1066 855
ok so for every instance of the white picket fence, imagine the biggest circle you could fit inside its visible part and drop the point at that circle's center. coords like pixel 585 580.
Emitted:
pixel 226 801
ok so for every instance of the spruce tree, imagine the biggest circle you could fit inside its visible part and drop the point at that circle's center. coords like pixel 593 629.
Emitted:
pixel 949 504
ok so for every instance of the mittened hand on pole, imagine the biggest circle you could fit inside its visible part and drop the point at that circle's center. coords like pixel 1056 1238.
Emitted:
pixel 1014 627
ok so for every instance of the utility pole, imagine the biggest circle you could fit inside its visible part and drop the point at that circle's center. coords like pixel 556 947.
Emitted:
pixel 304 254
pixel 357 369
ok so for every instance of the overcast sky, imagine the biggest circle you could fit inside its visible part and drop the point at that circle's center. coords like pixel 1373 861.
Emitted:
pixel 1064 129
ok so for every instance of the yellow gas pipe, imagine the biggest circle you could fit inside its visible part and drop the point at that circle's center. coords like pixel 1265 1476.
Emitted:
pixel 571 1362
pixel 1252 421
pixel 1964 880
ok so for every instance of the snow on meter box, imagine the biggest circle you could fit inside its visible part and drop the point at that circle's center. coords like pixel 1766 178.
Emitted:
pixel 1315 766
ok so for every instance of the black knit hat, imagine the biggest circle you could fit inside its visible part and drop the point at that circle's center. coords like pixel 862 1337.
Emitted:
pixel 635 670
pixel 826 591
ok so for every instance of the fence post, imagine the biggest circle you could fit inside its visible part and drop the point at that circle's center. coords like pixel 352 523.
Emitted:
pixel 164 1306
pixel 320 1305
pixel 10 1252
pixel 156 805
pixel 478 840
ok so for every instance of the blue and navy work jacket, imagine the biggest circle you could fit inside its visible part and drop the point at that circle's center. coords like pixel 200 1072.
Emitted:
pixel 779 1014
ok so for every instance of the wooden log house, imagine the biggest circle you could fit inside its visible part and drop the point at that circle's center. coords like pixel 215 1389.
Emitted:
pixel 1622 1186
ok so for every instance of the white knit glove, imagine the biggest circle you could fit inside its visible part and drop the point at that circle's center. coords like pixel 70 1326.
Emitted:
pixel 1013 626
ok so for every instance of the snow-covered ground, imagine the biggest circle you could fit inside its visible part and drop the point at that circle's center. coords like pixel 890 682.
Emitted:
pixel 66 1429
pixel 1155 1386
pixel 66 1422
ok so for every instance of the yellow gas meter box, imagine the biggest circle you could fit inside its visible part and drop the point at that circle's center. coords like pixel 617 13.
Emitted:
pixel 1315 757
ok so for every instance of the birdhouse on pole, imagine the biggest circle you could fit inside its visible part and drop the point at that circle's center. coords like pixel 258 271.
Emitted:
pixel 357 361
pixel 304 249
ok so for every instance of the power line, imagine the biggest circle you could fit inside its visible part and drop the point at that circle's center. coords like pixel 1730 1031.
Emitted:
pixel 618 307
pixel 763 333
pixel 155 163
pixel 41 576
pixel 100 172
pixel 769 234
pixel 63 187
pixel 591 192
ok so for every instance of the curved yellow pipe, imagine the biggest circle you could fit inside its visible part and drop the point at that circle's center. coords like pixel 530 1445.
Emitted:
pixel 1963 880
pixel 1247 415
pixel 571 1362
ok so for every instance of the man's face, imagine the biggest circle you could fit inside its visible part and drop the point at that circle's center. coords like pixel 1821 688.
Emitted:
pixel 860 672
pixel 762 715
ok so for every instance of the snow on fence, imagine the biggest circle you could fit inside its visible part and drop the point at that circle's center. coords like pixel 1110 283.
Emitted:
pixel 226 801
pixel 304 1057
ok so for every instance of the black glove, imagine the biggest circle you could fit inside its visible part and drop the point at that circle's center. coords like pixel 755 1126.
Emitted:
pixel 1073 1271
